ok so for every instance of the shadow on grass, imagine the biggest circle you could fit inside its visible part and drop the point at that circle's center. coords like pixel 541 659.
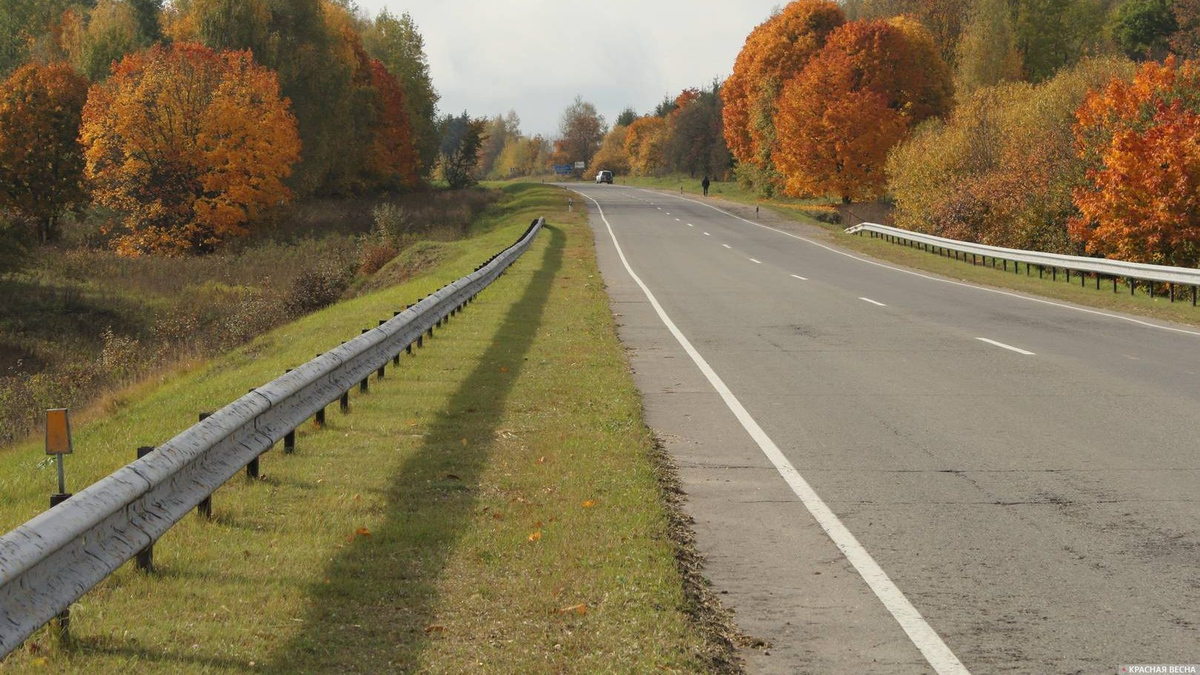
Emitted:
pixel 379 596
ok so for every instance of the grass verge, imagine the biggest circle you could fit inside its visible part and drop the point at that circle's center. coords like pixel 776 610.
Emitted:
pixel 491 506
pixel 783 212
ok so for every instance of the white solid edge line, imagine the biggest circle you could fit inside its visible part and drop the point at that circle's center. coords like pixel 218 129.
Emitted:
pixel 797 276
pixel 831 249
pixel 919 631
pixel 1004 346
pixel 873 302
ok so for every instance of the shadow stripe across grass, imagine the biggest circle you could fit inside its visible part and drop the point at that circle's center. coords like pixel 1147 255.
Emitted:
pixel 489 507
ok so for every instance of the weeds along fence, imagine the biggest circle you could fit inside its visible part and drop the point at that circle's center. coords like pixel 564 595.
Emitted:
pixel 1098 268
pixel 54 559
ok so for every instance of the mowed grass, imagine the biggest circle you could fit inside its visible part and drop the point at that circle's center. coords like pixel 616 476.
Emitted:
pixel 491 506
pixel 801 211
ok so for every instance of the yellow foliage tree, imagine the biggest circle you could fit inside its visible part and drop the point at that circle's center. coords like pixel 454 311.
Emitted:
pixel 646 145
pixel 612 155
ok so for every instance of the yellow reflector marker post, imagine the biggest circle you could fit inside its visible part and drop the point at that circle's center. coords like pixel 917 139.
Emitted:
pixel 58 432
pixel 58 441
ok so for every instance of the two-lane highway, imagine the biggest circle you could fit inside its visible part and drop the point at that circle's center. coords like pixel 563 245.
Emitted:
pixel 893 472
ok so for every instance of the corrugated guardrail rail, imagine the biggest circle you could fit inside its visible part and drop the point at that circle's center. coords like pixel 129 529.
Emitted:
pixel 1098 267
pixel 54 559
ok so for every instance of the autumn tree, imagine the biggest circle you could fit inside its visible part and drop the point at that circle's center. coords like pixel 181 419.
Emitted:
pixel 837 121
pixel 190 146
pixel 41 162
pixel 626 117
pixel 581 129
pixel 646 145
pixel 392 160
pixel 397 42
pixel 774 53
pixel 612 155
pixel 1141 142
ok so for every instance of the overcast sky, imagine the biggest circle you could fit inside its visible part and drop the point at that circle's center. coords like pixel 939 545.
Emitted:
pixel 534 56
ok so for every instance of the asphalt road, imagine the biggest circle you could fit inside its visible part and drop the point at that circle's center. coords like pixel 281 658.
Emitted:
pixel 892 472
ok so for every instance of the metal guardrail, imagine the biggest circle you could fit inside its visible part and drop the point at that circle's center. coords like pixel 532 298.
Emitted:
pixel 54 559
pixel 1098 267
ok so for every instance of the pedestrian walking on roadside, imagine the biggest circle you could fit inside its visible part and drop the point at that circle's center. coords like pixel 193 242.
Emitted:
pixel 705 183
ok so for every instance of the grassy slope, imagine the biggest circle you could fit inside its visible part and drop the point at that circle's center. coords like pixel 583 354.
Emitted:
pixel 519 418
pixel 1141 304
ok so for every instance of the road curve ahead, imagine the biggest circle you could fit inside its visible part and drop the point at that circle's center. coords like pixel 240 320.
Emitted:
pixel 896 473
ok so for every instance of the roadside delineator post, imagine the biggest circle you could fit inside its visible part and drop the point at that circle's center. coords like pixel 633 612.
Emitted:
pixel 58 444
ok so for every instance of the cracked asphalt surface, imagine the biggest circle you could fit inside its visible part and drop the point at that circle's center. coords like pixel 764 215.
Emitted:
pixel 1039 509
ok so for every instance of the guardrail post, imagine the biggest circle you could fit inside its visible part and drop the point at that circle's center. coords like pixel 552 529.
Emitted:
pixel 1150 285
pixel 1114 285
pixel 204 508
pixel 1132 285
pixel 145 557
pixel 62 621
pixel 345 402
pixel 1172 287
pixel 1054 273
pixel 364 386
pixel 383 367
pixel 1193 296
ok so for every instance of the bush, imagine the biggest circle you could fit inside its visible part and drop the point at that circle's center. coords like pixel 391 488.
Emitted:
pixel 375 255
pixel 315 289
pixel 1002 169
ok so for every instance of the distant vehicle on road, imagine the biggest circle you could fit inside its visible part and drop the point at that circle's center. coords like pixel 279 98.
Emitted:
pixel 604 177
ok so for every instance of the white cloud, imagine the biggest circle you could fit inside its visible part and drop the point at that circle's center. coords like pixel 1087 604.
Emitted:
pixel 534 56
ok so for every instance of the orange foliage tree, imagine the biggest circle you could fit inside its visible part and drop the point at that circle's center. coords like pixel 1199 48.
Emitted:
pixel 1141 142
pixel 838 119
pixel 775 52
pixel 189 145
pixel 41 162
